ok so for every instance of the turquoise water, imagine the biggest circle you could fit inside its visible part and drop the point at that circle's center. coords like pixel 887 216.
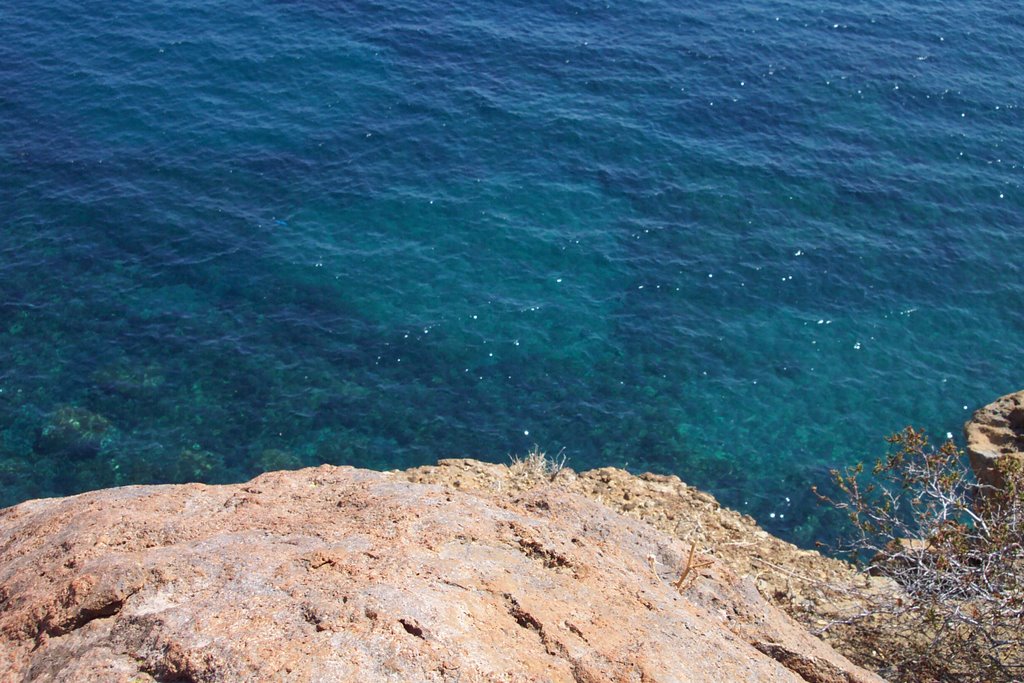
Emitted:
pixel 739 243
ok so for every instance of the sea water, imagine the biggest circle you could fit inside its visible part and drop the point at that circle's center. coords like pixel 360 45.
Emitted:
pixel 739 242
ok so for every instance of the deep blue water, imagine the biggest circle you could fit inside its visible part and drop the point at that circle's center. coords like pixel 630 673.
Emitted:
pixel 735 241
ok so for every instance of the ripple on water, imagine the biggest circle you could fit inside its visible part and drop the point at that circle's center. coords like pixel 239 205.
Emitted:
pixel 734 243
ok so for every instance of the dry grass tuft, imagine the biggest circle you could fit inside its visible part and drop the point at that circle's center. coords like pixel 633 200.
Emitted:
pixel 537 467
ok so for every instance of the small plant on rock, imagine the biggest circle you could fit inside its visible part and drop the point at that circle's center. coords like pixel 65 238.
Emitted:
pixel 953 551
pixel 537 467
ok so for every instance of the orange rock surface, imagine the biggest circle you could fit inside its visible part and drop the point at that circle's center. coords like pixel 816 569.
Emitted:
pixel 338 574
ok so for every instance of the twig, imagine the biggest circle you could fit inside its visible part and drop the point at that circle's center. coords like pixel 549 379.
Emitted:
pixel 691 566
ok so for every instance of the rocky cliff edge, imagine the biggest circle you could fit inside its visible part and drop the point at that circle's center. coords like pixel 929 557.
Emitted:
pixel 462 572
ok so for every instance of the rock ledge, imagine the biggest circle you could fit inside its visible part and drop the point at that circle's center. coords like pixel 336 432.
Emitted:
pixel 993 433
pixel 338 574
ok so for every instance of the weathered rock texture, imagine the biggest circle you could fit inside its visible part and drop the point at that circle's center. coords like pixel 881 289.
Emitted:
pixel 993 433
pixel 823 594
pixel 335 574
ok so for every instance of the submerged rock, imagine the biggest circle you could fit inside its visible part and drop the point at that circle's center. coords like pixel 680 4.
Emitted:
pixel 197 464
pixel 338 574
pixel 272 459
pixel 994 433
pixel 127 380
pixel 74 433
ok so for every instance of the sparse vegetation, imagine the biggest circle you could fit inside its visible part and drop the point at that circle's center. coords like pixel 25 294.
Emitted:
pixel 537 467
pixel 953 554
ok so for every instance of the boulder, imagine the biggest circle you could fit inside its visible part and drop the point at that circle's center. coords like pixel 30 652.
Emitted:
pixel 73 433
pixel 339 574
pixel 129 381
pixel 993 433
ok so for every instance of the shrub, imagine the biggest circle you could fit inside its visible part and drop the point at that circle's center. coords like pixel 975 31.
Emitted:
pixel 953 551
